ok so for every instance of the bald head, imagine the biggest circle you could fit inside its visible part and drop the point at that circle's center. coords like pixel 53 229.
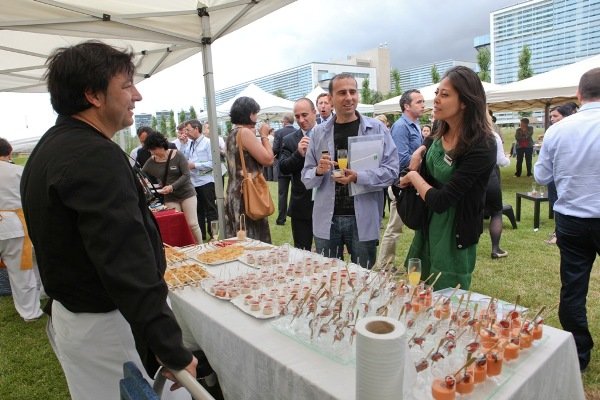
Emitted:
pixel 305 113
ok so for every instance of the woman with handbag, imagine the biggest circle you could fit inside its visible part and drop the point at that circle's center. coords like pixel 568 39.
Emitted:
pixel 458 159
pixel 170 167
pixel 247 190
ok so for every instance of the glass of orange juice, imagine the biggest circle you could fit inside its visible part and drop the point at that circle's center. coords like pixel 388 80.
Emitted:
pixel 413 267
pixel 342 159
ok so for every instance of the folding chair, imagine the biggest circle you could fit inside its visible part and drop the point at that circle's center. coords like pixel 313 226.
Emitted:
pixel 133 386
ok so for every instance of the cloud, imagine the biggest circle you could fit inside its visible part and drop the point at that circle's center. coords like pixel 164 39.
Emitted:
pixel 416 32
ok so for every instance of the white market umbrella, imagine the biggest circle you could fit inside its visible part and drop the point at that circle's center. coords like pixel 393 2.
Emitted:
pixel 160 32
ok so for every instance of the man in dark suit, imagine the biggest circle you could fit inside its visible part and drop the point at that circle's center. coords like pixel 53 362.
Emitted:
pixel 283 180
pixel 291 161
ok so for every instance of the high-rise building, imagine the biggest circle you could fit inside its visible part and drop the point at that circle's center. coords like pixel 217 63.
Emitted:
pixel 142 120
pixel 558 32
pixel 296 82
pixel 419 76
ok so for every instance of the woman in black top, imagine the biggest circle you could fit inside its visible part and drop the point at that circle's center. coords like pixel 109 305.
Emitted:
pixel 171 170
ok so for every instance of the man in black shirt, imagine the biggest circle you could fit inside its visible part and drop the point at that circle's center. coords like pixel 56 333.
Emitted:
pixel 98 248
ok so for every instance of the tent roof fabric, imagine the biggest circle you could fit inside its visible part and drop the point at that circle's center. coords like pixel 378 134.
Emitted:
pixel 161 33
pixel 547 89
pixel 392 106
pixel 270 104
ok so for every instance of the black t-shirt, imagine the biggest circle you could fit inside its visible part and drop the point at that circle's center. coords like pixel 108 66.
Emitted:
pixel 344 204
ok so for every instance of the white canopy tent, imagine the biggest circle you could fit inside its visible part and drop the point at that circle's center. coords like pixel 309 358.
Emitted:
pixel 544 90
pixel 160 32
pixel 361 108
pixel 392 106
pixel 270 105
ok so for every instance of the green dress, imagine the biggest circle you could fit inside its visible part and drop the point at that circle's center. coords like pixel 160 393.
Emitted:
pixel 437 249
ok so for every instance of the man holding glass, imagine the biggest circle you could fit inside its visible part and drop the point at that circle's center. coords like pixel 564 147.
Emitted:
pixel 291 161
pixel 340 219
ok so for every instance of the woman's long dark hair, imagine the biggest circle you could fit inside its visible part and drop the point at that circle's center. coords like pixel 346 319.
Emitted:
pixel 475 124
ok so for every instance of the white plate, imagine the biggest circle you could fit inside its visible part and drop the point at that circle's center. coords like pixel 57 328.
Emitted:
pixel 239 303
pixel 207 284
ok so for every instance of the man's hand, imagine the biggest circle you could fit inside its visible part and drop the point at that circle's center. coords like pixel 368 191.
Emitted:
pixel 325 164
pixel 348 177
pixel 191 165
pixel 303 145
pixel 191 368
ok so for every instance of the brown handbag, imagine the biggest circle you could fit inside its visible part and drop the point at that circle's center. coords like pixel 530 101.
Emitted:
pixel 257 198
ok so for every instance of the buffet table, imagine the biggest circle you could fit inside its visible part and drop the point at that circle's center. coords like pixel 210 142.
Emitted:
pixel 255 361
pixel 174 229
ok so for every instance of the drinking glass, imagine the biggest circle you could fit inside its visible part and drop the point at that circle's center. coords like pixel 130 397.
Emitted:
pixel 342 159
pixel 534 190
pixel 214 229
pixel 414 271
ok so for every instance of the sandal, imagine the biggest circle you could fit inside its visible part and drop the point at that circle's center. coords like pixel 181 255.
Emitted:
pixel 551 239
pixel 500 254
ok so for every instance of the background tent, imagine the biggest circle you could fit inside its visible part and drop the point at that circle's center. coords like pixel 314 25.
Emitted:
pixel 544 90
pixel 392 106
pixel 270 105
pixel 160 32
pixel 362 108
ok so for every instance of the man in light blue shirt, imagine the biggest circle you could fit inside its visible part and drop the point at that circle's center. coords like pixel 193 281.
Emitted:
pixel 570 157
pixel 201 165
pixel 406 134
pixel 339 219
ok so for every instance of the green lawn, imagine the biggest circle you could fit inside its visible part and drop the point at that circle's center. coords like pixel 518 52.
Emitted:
pixel 29 369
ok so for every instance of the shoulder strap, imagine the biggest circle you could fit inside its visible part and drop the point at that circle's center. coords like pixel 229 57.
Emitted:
pixel 240 147
pixel 164 181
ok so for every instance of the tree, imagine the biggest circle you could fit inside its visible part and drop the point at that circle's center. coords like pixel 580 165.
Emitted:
pixel 154 122
pixel 172 124
pixel 280 93
pixel 525 70
pixel 163 126
pixel 181 117
pixel 365 93
pixel 376 97
pixel 193 113
pixel 435 75
pixel 484 59
pixel 396 81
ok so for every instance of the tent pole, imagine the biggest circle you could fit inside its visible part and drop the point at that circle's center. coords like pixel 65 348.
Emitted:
pixel 209 88
pixel 546 116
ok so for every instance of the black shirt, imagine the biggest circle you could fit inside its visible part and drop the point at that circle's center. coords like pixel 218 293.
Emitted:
pixel 344 204
pixel 97 245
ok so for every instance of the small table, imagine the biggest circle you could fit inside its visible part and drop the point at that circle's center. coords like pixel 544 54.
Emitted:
pixel 537 199
pixel 174 229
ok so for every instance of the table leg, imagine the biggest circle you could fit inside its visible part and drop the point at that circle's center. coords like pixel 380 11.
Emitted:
pixel 536 214
pixel 550 211
pixel 518 207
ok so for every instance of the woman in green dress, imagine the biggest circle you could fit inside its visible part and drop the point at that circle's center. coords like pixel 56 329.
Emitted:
pixel 459 157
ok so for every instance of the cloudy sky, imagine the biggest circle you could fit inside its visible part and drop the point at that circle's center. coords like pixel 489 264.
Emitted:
pixel 416 32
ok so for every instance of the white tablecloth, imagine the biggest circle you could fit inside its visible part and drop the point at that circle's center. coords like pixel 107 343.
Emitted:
pixel 255 362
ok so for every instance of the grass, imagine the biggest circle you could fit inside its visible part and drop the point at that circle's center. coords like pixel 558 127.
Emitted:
pixel 30 370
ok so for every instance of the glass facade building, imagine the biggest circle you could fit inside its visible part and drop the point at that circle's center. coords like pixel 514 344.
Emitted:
pixel 417 77
pixel 558 32
pixel 298 81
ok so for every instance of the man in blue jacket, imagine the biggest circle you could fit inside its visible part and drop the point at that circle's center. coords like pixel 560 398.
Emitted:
pixel 340 219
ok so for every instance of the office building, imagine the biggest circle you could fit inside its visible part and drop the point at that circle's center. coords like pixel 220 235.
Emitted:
pixel 296 82
pixel 419 76
pixel 558 32
pixel 142 120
